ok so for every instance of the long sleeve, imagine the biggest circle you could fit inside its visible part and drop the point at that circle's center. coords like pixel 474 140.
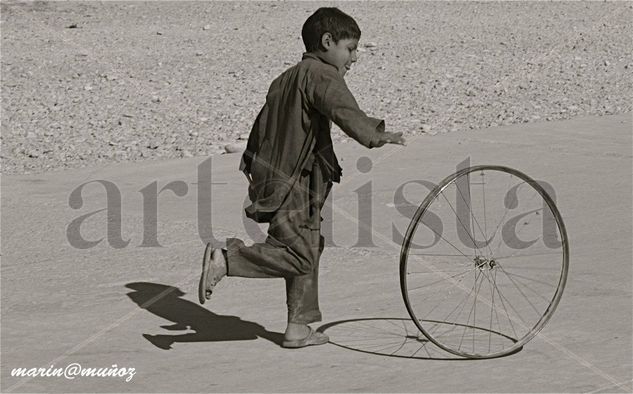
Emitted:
pixel 328 94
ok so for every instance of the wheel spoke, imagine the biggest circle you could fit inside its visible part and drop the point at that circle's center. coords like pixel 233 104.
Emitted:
pixel 494 284
pixel 468 318
pixel 501 298
pixel 532 279
pixel 483 191
pixel 437 255
pixel 517 233
pixel 462 304
pixel 514 255
pixel 521 291
pixel 537 293
pixel 441 280
pixel 473 218
pixel 505 213
pixel 492 309
pixel 463 225
pixel 448 242
pixel 428 315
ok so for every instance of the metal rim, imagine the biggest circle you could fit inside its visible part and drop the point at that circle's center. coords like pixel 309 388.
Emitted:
pixel 404 254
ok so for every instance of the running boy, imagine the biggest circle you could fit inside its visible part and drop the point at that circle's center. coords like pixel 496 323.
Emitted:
pixel 290 164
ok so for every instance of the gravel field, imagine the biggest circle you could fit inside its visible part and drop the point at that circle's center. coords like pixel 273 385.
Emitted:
pixel 87 83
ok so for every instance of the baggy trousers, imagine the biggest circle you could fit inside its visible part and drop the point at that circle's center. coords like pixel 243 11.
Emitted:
pixel 292 248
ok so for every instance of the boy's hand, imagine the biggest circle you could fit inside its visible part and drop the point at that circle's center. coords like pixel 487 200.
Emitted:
pixel 390 138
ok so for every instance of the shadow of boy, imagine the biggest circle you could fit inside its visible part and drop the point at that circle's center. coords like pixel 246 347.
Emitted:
pixel 166 302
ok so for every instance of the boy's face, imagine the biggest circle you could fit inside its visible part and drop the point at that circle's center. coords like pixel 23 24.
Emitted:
pixel 340 54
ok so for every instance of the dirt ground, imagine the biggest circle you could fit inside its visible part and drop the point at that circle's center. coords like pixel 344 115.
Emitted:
pixel 137 307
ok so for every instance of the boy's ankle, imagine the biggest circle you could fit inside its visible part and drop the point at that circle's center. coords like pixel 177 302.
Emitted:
pixel 296 331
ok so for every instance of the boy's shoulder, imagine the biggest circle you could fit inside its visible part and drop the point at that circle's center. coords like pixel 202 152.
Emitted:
pixel 307 75
pixel 310 66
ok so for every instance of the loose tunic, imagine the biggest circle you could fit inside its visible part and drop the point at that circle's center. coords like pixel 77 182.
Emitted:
pixel 294 128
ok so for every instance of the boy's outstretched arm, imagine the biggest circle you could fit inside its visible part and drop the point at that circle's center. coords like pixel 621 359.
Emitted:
pixel 330 95
pixel 390 138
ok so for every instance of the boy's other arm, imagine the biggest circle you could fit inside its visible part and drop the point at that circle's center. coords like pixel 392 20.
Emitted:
pixel 330 96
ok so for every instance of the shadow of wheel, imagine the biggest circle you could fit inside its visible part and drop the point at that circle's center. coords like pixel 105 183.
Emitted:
pixel 390 337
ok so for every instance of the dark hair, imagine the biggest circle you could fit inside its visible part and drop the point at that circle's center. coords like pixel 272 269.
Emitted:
pixel 328 20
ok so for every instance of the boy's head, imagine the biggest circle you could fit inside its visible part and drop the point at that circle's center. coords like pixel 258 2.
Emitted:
pixel 328 20
pixel 333 35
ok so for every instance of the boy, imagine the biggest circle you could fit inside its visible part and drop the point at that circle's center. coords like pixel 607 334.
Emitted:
pixel 290 164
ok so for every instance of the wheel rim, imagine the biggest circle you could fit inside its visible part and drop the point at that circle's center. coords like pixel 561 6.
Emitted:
pixel 484 262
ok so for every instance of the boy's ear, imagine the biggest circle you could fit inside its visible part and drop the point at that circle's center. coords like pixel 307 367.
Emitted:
pixel 327 41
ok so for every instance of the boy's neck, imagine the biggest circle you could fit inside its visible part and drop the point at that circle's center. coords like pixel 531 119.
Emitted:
pixel 318 54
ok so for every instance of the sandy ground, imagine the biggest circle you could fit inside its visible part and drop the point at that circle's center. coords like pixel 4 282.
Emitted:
pixel 136 306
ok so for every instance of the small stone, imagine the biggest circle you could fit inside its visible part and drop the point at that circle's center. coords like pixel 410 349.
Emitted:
pixel 155 99
pixel 425 128
pixel 607 63
pixel 72 26
pixel 186 153
pixel 206 27
pixel 198 53
pixel 159 33
pixel 32 153
pixel 370 44
pixel 244 136
pixel 235 147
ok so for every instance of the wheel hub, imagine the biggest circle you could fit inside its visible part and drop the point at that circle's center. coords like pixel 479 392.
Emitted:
pixel 484 263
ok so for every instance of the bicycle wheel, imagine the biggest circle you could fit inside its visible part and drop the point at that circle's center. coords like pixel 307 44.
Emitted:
pixel 484 262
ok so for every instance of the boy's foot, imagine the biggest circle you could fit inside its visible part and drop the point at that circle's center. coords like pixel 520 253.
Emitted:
pixel 213 270
pixel 314 338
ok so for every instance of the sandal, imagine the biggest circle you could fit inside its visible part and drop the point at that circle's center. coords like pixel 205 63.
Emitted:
pixel 210 265
pixel 314 338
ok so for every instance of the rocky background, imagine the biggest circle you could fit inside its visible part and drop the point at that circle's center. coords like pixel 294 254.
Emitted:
pixel 85 83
